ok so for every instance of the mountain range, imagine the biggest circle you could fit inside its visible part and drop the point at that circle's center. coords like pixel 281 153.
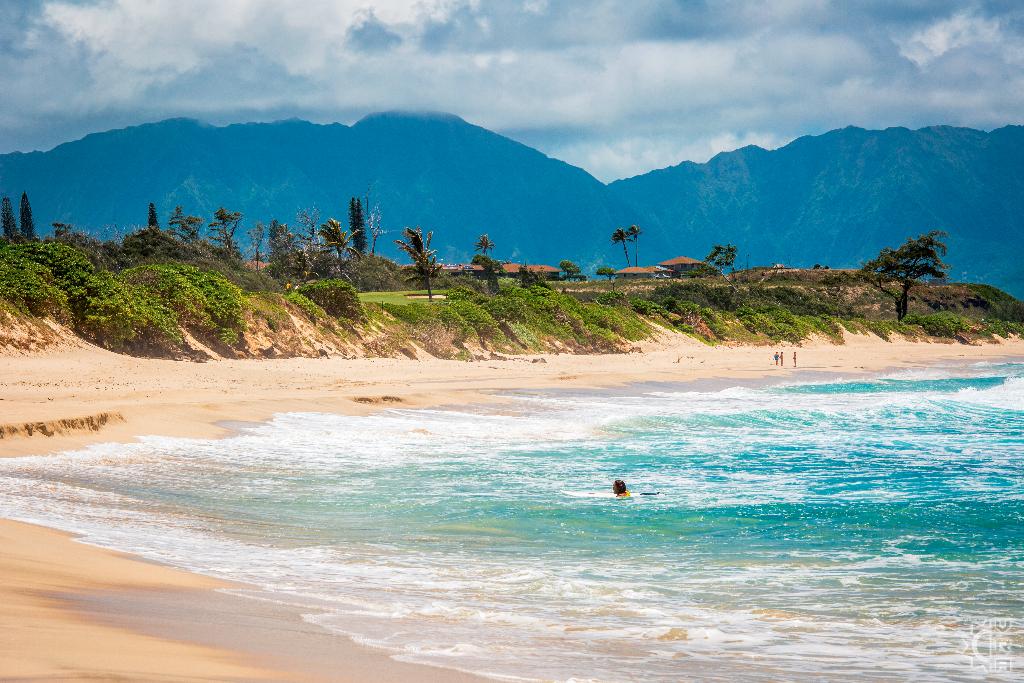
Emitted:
pixel 832 199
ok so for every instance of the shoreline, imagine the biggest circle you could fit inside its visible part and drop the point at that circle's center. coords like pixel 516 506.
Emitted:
pixel 92 605
pixel 152 608
pixel 46 637
pixel 88 395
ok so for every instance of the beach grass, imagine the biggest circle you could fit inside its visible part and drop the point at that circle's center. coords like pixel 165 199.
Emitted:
pixel 398 298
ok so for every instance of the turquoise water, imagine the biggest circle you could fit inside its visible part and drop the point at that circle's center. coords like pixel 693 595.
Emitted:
pixel 819 530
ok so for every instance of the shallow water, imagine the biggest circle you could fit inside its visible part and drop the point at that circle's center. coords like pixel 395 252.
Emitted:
pixel 825 530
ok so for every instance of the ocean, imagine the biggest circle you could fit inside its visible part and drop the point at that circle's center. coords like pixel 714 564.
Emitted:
pixel 825 529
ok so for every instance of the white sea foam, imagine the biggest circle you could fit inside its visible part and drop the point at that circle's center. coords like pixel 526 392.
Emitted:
pixel 493 543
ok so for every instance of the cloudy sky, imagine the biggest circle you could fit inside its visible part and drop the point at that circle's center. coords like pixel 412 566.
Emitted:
pixel 616 86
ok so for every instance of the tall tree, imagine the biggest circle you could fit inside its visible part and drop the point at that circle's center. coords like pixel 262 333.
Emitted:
pixel 721 256
pixel 257 238
pixel 337 239
pixel 424 259
pixel 620 236
pixel 897 271
pixel 308 238
pixel 222 230
pixel 357 225
pixel 153 222
pixel 492 269
pixel 634 233
pixel 28 226
pixel 185 228
pixel 283 251
pixel 10 226
pixel 484 244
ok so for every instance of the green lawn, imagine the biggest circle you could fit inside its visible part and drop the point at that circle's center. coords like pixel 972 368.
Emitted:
pixel 399 298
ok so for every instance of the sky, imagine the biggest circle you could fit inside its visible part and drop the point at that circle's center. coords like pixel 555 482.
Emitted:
pixel 618 87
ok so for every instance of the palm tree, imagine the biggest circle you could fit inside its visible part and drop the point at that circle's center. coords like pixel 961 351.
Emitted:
pixel 484 244
pixel 633 234
pixel 424 259
pixel 337 239
pixel 620 236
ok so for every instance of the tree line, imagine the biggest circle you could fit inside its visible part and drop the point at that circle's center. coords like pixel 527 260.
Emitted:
pixel 318 248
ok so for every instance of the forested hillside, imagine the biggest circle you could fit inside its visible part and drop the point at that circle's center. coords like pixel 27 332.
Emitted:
pixel 832 199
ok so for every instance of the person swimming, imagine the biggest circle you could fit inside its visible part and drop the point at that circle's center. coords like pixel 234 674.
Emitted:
pixel 620 490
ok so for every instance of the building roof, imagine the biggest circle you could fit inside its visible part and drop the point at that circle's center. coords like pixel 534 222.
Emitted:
pixel 680 261
pixel 640 269
pixel 461 266
pixel 514 268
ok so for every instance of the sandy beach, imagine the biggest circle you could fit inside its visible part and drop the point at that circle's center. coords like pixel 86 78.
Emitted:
pixel 77 612
pixel 88 395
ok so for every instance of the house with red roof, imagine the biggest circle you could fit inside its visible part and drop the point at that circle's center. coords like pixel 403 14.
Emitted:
pixel 546 272
pixel 680 265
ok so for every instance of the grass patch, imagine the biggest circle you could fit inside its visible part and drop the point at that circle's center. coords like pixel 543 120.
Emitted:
pixel 400 298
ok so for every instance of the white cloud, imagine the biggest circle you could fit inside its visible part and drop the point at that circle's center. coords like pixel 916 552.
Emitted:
pixel 624 157
pixel 616 86
pixel 963 29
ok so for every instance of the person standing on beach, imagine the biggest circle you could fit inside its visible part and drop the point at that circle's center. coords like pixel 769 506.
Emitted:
pixel 782 358
pixel 776 357
pixel 794 359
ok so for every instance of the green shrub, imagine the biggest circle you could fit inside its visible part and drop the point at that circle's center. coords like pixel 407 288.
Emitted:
pixel 718 295
pixel 1002 328
pixel 796 300
pixel 119 314
pixel 337 297
pixel 508 306
pixel 944 324
pixel 882 328
pixel 476 316
pixel 611 299
pixel 203 301
pixel 621 321
pixel 538 312
pixel 463 293
pixel 413 313
pixel 999 304
pixel 778 324
pixel 775 323
pixel 70 268
pixel 312 310
pixel 647 307
pixel 29 287
pixel 449 317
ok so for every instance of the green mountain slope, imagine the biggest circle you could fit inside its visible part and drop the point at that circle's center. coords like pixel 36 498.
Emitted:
pixel 433 170
pixel 837 198
pixel 832 199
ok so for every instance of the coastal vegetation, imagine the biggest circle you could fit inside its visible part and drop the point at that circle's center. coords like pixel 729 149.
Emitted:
pixel 189 291
pixel 164 293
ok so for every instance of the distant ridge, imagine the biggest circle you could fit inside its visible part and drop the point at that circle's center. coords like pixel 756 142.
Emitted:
pixel 833 199
pixel 837 198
